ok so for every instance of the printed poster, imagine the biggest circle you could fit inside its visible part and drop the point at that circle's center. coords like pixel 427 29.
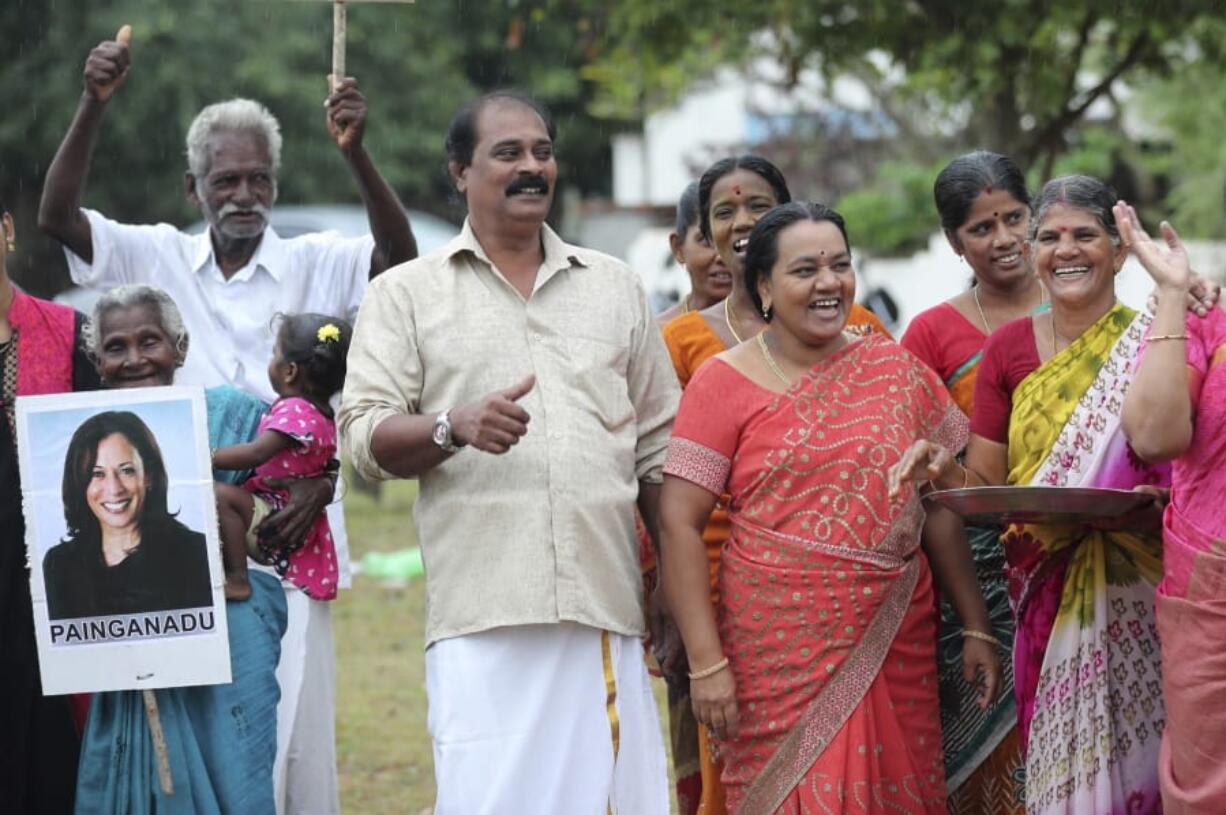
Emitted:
pixel 122 540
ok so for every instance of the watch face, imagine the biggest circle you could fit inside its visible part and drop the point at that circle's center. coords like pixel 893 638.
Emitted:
pixel 440 434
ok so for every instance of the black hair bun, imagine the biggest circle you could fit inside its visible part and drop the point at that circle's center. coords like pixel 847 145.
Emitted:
pixel 320 343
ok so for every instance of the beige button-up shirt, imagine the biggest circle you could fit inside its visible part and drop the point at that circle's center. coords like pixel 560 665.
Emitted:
pixel 545 532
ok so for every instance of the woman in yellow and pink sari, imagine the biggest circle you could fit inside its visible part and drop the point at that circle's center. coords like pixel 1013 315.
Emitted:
pixel 1176 409
pixel 817 672
pixel 1048 399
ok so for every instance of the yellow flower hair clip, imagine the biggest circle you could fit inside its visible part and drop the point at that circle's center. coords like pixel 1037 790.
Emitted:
pixel 328 333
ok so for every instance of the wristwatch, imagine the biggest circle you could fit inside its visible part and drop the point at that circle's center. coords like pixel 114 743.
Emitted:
pixel 441 434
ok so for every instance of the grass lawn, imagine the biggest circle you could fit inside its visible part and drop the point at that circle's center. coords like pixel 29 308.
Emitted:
pixel 383 748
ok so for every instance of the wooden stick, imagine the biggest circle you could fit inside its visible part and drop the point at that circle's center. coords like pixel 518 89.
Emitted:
pixel 338 42
pixel 159 742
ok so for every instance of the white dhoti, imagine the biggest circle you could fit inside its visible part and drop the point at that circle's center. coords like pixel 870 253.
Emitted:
pixel 545 719
pixel 304 772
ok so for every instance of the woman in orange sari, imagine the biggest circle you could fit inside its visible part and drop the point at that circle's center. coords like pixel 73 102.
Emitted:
pixel 817 677
pixel 741 189
pixel 733 194
pixel 710 280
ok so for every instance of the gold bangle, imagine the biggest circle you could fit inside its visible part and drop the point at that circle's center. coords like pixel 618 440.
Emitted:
pixel 711 671
pixel 966 480
pixel 979 635
pixel 1161 337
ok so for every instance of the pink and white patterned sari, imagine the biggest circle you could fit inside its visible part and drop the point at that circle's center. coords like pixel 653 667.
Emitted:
pixel 1086 660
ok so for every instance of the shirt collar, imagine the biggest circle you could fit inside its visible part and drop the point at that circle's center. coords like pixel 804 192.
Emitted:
pixel 559 254
pixel 269 255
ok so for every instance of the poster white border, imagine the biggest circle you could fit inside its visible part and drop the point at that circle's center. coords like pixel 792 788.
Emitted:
pixel 93 664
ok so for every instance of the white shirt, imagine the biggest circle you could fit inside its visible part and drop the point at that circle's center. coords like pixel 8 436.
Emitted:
pixel 229 322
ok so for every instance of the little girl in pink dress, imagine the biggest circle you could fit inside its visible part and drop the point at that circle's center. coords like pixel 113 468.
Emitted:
pixel 296 438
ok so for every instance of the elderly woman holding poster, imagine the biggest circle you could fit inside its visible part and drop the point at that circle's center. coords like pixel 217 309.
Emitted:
pixel 40 353
pixel 221 739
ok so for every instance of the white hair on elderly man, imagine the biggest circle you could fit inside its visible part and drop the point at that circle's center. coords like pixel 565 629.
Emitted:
pixel 231 115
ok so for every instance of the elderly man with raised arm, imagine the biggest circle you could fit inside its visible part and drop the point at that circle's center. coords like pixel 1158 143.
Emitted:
pixel 229 283
pixel 522 379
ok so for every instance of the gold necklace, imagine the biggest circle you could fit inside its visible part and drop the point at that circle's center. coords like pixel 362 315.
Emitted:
pixel 729 315
pixel 685 304
pixel 1053 334
pixel 770 360
pixel 986 328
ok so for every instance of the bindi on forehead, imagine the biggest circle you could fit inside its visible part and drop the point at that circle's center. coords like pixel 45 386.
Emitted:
pixel 736 190
pixel 987 190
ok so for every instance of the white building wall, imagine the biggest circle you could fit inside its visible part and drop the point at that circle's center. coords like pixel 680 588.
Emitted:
pixel 679 141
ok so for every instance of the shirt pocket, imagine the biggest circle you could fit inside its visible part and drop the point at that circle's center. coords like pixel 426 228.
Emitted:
pixel 599 370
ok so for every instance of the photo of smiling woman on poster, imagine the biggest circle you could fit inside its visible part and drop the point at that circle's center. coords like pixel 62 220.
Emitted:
pixel 125 552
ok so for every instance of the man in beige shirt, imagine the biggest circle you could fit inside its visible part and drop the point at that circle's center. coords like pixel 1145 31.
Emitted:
pixel 522 380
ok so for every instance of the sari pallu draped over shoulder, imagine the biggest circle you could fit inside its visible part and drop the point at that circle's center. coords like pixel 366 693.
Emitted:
pixel 1087 668
pixel 827 613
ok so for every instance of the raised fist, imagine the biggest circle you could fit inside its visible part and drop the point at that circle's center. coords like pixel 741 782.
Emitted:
pixel 106 68
pixel 346 108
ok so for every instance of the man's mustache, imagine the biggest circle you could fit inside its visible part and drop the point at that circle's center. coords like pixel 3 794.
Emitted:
pixel 528 182
pixel 230 208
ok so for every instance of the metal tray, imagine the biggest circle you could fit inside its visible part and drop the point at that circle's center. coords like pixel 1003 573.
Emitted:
pixel 990 506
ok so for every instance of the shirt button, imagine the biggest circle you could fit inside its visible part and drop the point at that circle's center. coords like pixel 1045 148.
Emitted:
pixel 536 337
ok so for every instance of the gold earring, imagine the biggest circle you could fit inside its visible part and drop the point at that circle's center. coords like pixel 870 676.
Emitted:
pixel 12 244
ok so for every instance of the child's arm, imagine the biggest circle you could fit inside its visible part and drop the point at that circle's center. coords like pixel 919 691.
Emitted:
pixel 252 454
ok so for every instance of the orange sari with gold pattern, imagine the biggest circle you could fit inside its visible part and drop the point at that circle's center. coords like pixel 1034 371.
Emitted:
pixel 826 606
pixel 691 342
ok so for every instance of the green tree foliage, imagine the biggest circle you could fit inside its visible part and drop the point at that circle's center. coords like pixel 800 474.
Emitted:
pixel 1190 108
pixel 416 64
pixel 895 215
pixel 1014 76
